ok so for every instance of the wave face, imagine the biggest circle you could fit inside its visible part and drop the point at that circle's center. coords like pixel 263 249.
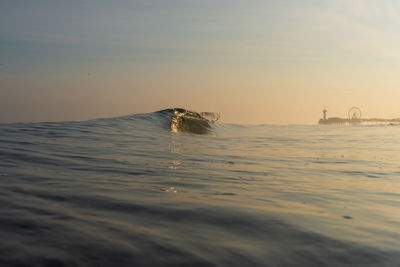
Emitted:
pixel 158 189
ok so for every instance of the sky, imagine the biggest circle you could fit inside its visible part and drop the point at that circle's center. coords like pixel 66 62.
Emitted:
pixel 254 62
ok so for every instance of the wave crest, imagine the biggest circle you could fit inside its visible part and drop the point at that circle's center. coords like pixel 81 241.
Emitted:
pixel 182 120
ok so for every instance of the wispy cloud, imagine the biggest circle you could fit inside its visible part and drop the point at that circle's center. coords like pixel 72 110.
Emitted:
pixel 366 9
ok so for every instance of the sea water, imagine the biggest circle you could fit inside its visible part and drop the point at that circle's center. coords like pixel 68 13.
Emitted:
pixel 172 188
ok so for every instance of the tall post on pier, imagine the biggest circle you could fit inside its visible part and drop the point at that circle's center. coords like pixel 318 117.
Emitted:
pixel 324 111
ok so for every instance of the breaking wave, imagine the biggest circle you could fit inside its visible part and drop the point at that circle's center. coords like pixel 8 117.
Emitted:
pixel 182 120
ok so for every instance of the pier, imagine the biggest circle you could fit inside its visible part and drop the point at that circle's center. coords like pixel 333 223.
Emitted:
pixel 354 118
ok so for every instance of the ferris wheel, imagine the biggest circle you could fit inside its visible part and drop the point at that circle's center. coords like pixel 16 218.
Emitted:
pixel 354 113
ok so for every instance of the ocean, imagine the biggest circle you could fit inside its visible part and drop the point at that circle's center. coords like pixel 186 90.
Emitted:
pixel 178 188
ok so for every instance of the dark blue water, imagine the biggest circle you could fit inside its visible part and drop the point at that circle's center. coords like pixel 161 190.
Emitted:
pixel 162 189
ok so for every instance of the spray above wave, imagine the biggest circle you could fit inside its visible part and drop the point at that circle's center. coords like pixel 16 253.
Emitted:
pixel 182 120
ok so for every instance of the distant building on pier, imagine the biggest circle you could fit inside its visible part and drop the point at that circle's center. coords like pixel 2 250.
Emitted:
pixel 354 117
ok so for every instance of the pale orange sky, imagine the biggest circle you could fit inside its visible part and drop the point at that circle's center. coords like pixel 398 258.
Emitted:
pixel 258 62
